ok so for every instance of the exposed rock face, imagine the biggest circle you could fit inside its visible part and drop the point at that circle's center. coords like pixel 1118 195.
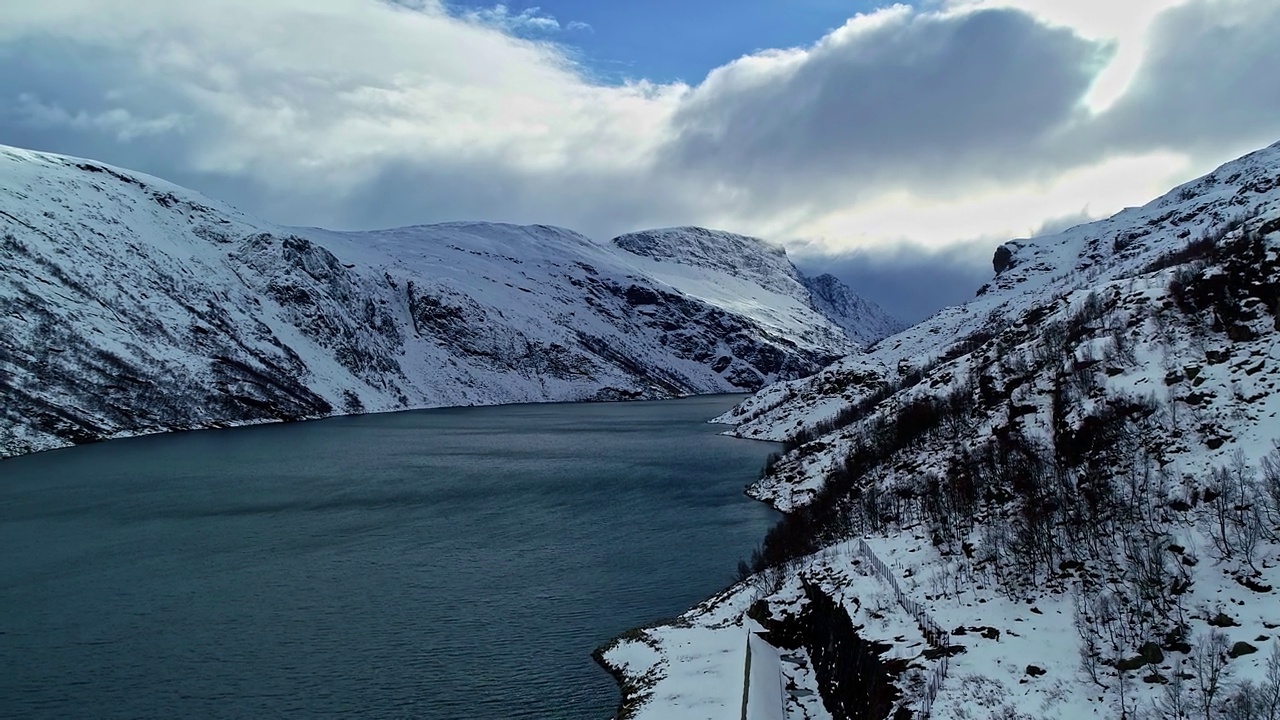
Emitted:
pixel 130 305
pixel 1003 259
pixel 856 681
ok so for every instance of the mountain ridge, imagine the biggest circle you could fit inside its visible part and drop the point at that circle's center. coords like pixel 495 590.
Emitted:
pixel 1060 499
pixel 131 305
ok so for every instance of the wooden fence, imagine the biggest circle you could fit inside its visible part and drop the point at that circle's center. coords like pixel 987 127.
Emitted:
pixel 933 633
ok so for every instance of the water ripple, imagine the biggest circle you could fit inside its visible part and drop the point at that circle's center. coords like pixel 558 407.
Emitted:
pixel 437 564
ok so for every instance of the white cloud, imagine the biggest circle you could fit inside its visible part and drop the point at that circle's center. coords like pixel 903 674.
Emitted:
pixel 119 122
pixel 319 98
pixel 999 211
pixel 982 118
pixel 1122 23
pixel 530 20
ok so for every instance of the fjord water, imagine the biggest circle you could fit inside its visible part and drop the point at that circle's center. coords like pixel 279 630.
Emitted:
pixel 457 563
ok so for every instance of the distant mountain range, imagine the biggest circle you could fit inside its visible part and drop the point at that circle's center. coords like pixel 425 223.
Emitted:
pixel 129 305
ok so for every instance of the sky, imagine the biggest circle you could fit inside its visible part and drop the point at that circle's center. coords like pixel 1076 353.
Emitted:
pixel 897 145
pixel 668 40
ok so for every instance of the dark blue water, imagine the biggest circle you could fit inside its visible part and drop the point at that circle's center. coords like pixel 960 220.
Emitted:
pixel 441 564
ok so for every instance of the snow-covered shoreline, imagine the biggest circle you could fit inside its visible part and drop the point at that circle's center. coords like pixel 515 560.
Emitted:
pixel 260 422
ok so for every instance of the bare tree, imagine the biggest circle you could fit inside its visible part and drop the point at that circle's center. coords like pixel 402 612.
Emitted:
pixel 1269 692
pixel 1270 489
pixel 1242 703
pixel 1211 670
pixel 1241 504
pixel 1174 702
pixel 1086 622
pixel 1220 520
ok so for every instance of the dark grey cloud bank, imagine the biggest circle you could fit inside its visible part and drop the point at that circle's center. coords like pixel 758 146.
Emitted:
pixel 1209 82
pixel 914 281
pixel 929 102
pixel 937 105
pixel 910 280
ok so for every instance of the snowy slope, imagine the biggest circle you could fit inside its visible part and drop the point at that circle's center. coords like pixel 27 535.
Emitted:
pixel 130 305
pixel 1059 500
pixel 1031 273
pixel 756 279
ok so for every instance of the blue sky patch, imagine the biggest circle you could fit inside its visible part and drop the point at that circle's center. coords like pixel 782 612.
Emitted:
pixel 667 40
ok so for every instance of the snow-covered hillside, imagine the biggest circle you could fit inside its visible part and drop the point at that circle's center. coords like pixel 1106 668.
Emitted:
pixel 860 318
pixel 130 305
pixel 751 277
pixel 1059 500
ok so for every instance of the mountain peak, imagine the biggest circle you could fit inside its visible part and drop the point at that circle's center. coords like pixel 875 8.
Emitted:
pixel 693 243
pixel 763 264
pixel 742 255
pixel 862 320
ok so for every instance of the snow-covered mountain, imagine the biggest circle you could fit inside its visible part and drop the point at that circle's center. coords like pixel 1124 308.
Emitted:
pixel 1059 500
pixel 131 305
pixel 860 318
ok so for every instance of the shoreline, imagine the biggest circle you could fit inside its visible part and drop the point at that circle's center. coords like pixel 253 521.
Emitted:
pixel 35 449
pixel 636 688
